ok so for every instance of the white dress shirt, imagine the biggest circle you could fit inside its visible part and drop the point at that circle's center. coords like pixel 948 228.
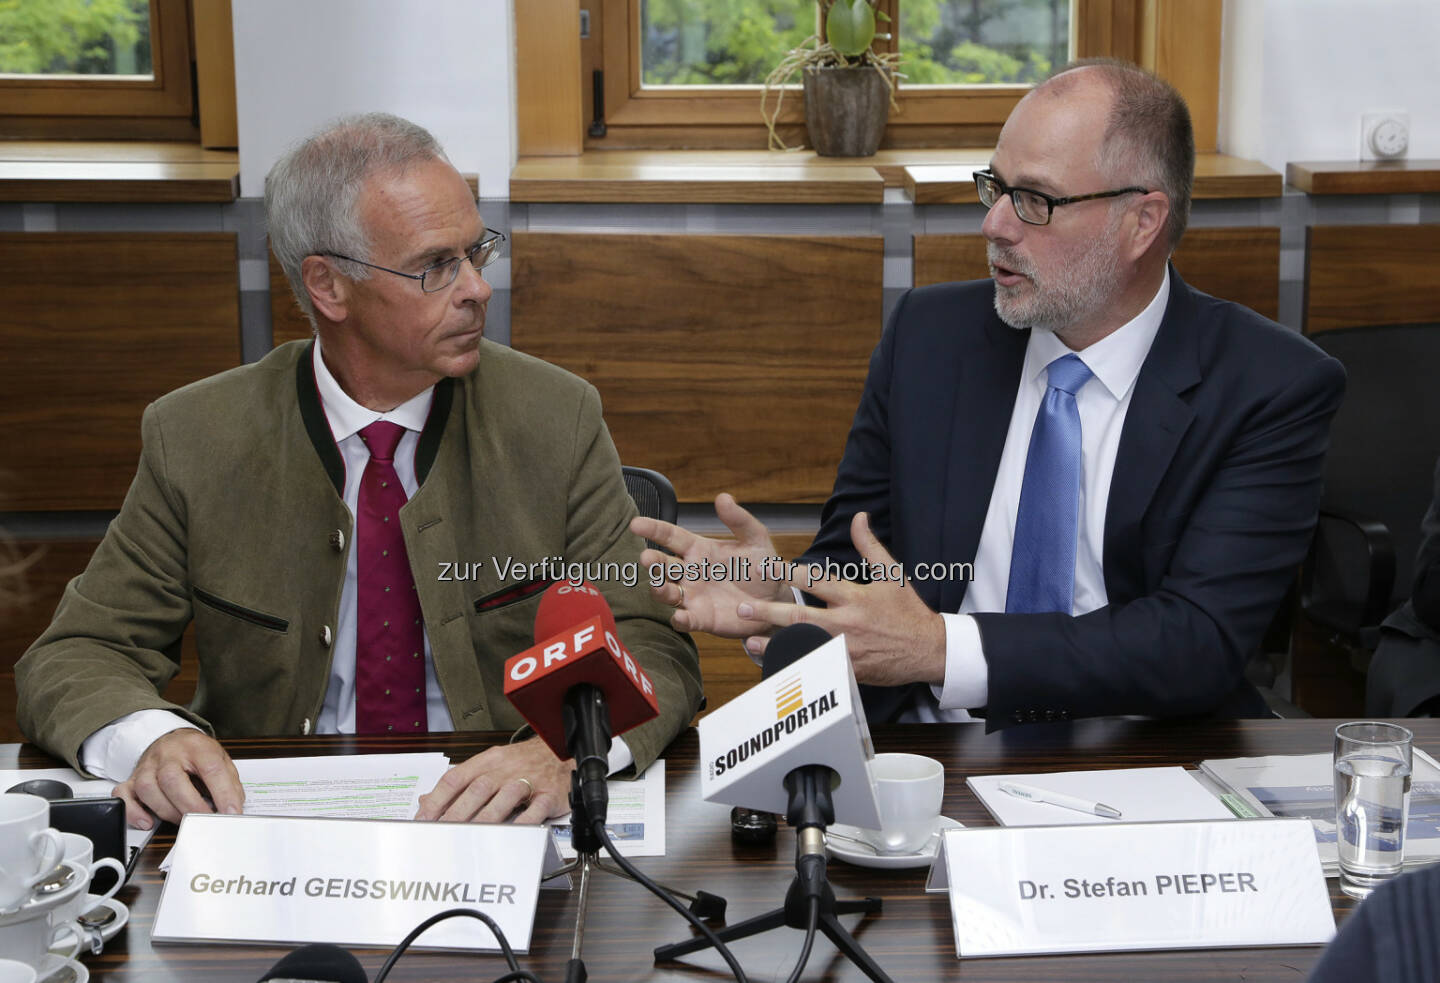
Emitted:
pixel 113 750
pixel 1103 402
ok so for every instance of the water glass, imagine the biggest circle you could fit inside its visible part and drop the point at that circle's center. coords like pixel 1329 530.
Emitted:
pixel 1372 802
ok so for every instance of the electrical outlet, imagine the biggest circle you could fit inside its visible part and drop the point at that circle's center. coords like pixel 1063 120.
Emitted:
pixel 1384 136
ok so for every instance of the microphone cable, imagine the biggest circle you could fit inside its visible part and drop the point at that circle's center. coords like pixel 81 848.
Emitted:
pixel 516 974
pixel 812 922
pixel 636 875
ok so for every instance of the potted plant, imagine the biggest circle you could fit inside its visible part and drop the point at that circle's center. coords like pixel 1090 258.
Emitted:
pixel 848 86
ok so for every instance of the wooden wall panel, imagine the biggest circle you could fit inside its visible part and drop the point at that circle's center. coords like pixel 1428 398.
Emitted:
pixel 1241 264
pixel 730 363
pixel 941 258
pixel 57 563
pixel 1371 274
pixel 94 326
pixel 287 321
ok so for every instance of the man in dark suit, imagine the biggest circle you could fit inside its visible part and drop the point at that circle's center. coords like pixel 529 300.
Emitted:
pixel 1095 480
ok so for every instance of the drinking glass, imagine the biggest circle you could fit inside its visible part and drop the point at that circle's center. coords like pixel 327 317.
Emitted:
pixel 1372 802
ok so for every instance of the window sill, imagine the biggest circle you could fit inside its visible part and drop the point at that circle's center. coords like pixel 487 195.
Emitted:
pixel 1371 177
pixel 764 177
pixel 116 171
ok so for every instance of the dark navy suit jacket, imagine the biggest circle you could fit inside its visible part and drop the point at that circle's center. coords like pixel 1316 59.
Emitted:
pixel 1214 495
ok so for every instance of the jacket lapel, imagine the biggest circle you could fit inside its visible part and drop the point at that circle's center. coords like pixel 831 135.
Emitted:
pixel 1156 422
pixel 317 428
pixel 983 389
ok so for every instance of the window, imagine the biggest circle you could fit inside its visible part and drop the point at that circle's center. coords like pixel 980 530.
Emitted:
pixel 100 68
pixel 943 42
pixel 683 73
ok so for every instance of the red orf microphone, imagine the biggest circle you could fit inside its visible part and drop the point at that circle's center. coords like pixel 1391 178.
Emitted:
pixel 577 686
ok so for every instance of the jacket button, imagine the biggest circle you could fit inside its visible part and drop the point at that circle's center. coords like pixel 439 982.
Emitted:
pixel 337 540
pixel 326 637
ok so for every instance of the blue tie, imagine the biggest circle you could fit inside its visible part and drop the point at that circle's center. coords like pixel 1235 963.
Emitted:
pixel 1042 560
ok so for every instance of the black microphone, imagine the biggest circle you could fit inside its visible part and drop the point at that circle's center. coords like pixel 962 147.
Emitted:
pixel 810 805
pixel 789 645
pixel 317 964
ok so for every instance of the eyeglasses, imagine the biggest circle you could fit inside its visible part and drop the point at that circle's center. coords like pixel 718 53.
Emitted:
pixel 443 273
pixel 1035 207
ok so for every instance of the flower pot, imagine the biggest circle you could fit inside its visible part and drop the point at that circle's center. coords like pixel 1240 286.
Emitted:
pixel 846 110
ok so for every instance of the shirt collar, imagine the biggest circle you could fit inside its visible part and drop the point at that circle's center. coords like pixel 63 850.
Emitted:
pixel 1115 359
pixel 347 417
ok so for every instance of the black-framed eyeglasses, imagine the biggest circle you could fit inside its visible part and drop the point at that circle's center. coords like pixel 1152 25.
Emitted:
pixel 1035 207
pixel 443 273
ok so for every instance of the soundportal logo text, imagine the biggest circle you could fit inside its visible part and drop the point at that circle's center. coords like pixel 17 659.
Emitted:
pixel 794 714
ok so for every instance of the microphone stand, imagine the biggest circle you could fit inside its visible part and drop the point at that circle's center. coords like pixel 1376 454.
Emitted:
pixel 587 737
pixel 809 810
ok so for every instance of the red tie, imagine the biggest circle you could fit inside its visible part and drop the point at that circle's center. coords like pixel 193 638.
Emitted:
pixel 389 636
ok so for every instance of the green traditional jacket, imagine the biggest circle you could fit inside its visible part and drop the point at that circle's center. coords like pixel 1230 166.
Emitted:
pixel 235 521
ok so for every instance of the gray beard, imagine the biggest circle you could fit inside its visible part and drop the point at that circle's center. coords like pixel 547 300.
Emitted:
pixel 1071 294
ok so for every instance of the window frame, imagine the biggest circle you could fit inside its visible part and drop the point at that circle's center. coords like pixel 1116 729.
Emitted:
pixel 728 118
pixel 161 107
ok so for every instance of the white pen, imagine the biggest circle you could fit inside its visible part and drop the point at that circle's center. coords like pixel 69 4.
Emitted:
pixel 1032 794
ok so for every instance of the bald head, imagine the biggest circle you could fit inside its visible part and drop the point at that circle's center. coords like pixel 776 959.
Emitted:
pixel 1145 136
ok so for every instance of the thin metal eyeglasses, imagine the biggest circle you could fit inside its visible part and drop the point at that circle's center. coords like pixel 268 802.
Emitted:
pixel 1035 207
pixel 442 274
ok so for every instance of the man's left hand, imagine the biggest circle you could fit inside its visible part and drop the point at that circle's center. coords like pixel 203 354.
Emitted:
pixel 488 788
pixel 891 635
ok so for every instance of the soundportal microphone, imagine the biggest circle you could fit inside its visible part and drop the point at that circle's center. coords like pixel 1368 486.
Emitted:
pixel 805 711
pixel 578 686
pixel 317 964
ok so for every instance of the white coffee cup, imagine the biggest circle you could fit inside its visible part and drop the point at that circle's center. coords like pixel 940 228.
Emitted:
pixel 29 848
pixel 16 972
pixel 80 850
pixel 28 937
pixel 909 789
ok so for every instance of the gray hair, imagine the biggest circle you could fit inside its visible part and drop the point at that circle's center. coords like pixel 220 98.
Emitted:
pixel 312 193
pixel 1148 137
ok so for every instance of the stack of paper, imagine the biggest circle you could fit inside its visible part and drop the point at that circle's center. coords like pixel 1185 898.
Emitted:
pixel 1302 785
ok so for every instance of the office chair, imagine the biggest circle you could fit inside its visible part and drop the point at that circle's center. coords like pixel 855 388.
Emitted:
pixel 652 492
pixel 1383 447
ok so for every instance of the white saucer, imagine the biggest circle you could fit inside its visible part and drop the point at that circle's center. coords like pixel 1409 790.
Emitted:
pixel 52 964
pixel 39 905
pixel 93 901
pixel 853 853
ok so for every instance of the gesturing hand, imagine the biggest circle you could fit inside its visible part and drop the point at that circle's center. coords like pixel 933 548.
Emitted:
pixel 711 605
pixel 891 635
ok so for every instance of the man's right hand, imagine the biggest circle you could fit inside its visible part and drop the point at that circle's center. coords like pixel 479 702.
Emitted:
pixel 710 605
pixel 163 783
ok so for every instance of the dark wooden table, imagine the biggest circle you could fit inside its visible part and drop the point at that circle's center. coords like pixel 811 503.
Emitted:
pixel 911 939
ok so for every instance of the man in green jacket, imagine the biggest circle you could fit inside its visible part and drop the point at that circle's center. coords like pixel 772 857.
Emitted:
pixel 242 519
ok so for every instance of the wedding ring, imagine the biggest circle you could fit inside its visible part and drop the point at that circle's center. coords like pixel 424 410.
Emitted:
pixel 529 789
pixel 681 603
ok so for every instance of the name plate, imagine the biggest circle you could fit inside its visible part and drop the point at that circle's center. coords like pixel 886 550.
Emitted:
pixel 1184 885
pixel 350 882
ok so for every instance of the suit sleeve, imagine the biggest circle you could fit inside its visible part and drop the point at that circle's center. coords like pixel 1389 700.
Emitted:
pixel 114 643
pixel 1181 647
pixel 598 526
